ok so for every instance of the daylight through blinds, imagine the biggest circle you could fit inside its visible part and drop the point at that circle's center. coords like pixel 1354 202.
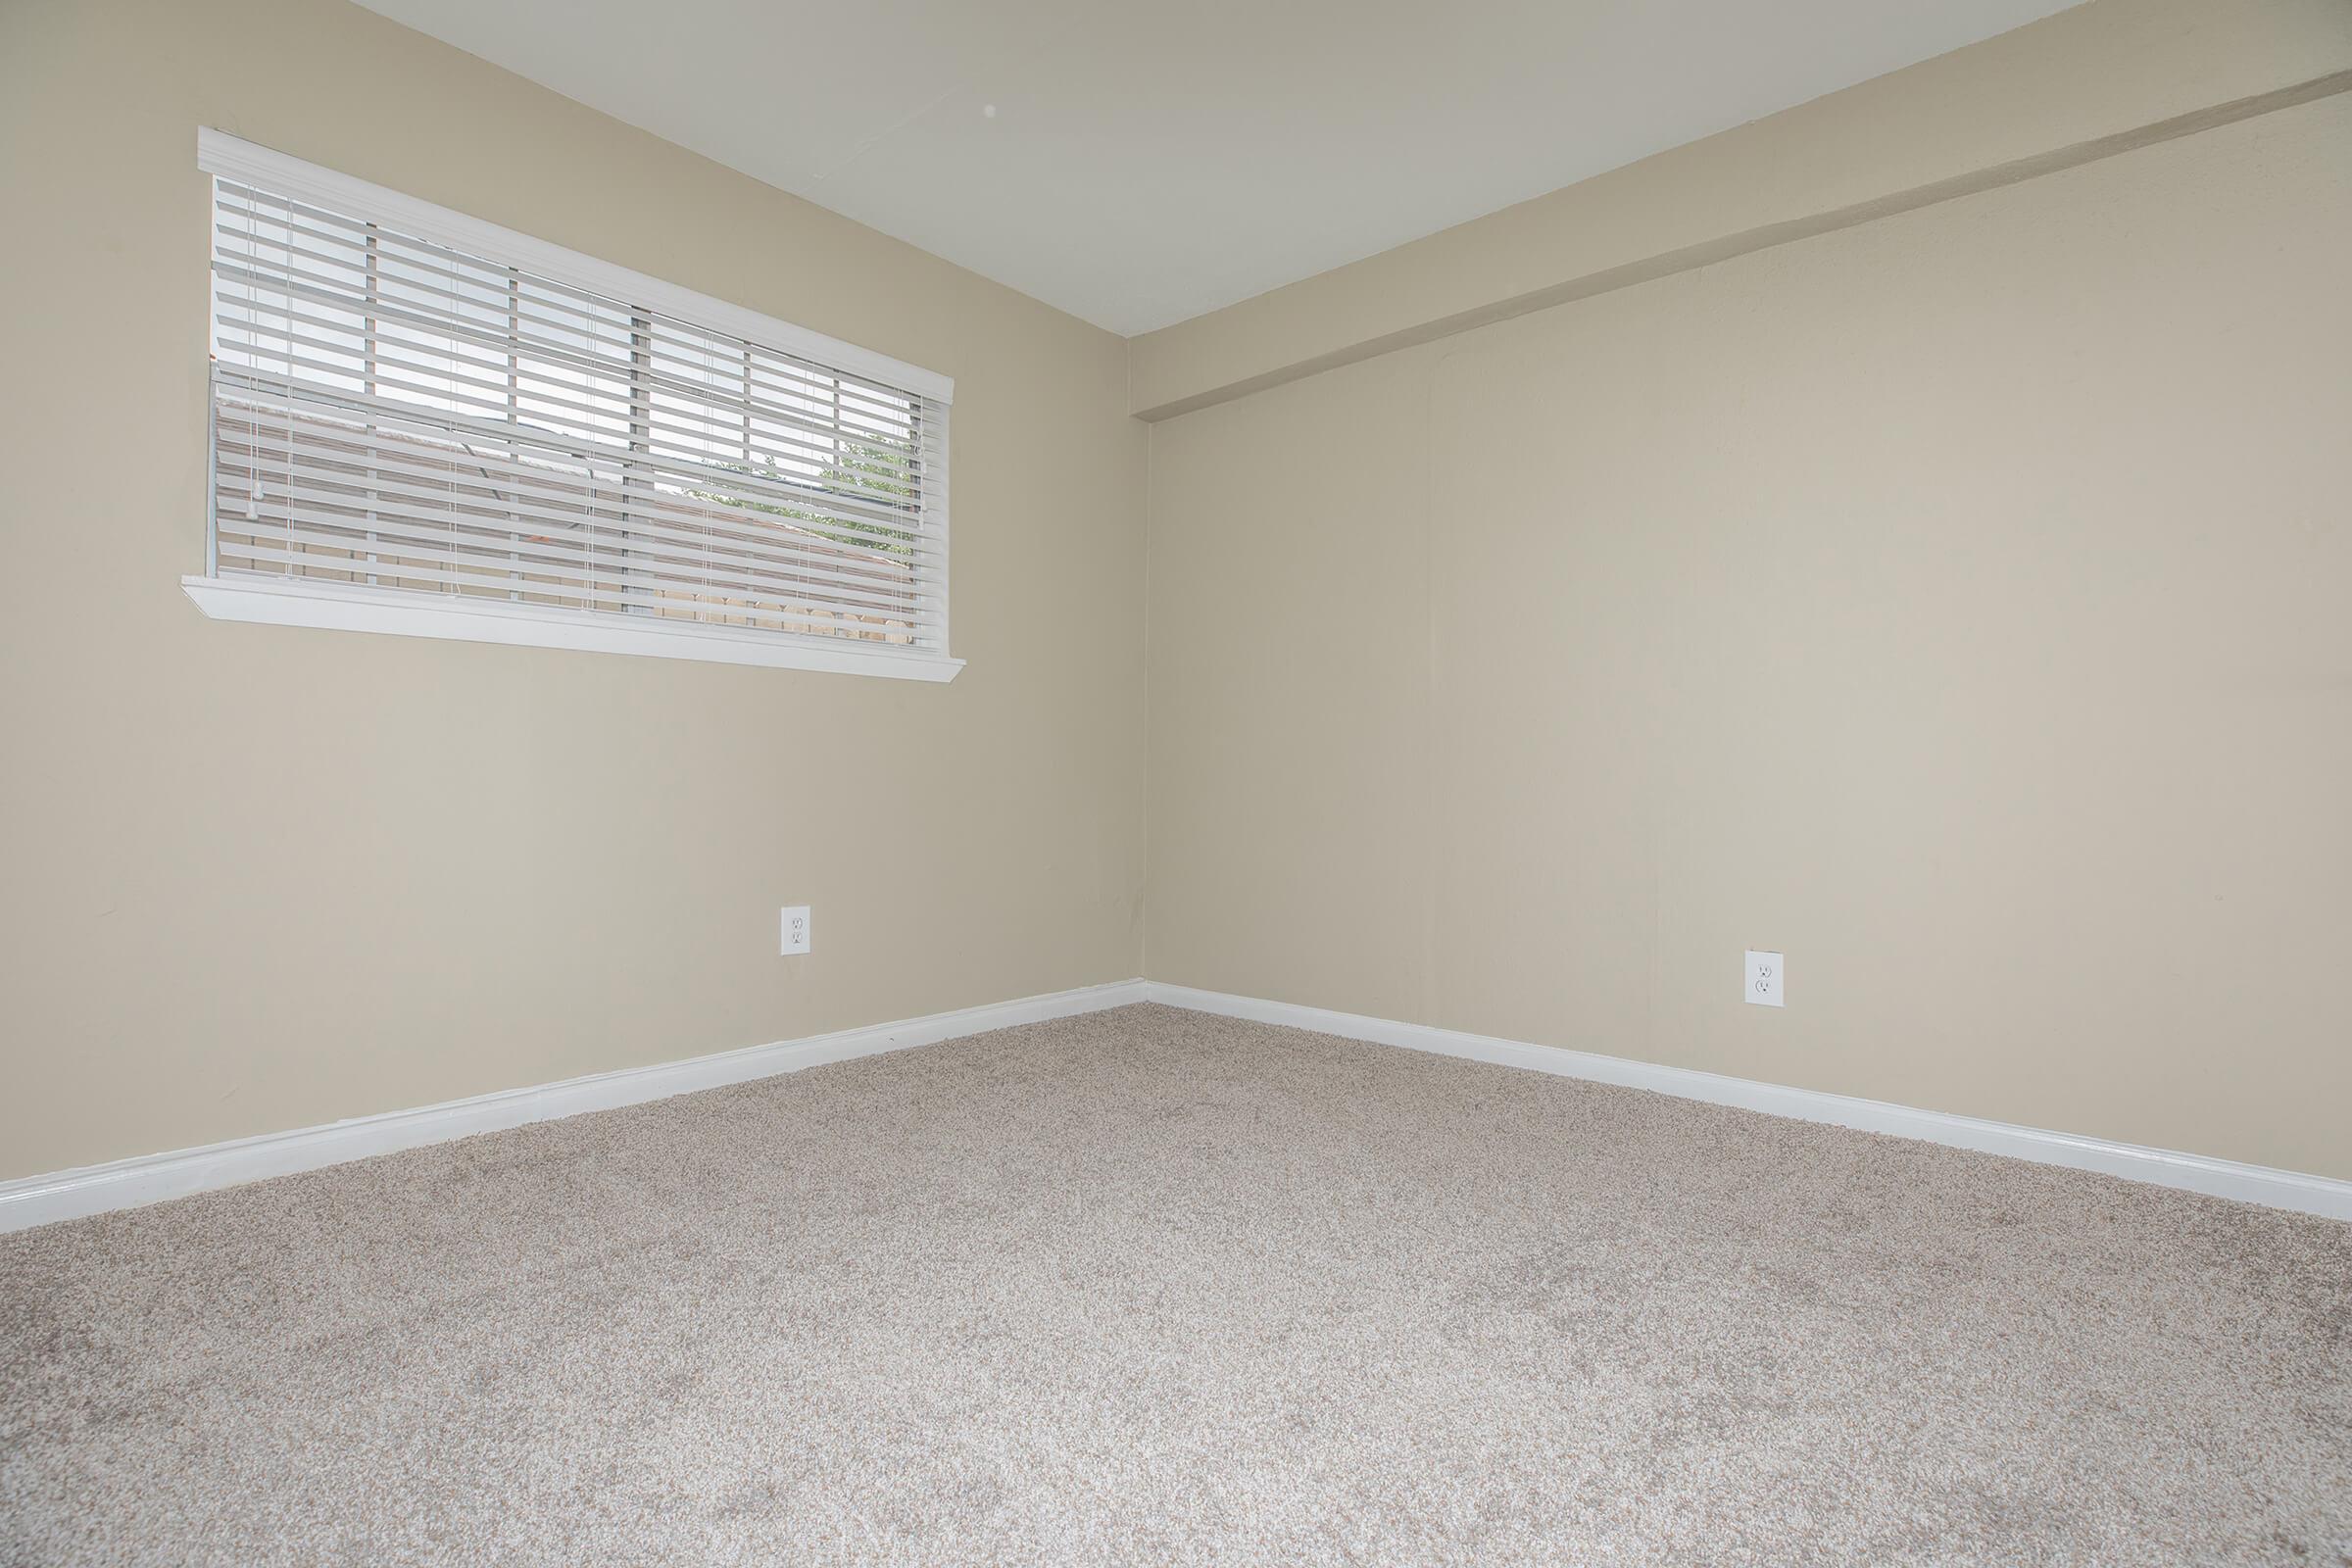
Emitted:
pixel 393 414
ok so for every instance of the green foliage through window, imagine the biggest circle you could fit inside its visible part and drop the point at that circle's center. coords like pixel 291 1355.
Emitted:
pixel 857 470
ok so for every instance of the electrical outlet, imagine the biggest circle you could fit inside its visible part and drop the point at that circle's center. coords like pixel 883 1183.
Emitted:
pixel 796 928
pixel 1764 978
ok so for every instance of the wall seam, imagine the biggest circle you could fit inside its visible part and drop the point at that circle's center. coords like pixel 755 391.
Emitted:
pixel 1766 236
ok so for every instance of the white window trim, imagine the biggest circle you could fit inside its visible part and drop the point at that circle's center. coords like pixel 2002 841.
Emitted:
pixel 279 602
pixel 283 601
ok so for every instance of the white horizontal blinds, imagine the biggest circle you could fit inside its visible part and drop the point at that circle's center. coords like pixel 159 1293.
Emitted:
pixel 392 413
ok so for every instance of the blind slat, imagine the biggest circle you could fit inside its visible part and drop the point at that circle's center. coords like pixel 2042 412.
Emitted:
pixel 408 573
pixel 643 377
pixel 520 397
pixel 316 560
pixel 591 305
pixel 827 509
pixel 244 494
pixel 393 414
pixel 581 553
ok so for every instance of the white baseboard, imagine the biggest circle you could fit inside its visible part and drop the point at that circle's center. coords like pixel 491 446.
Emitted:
pixel 2163 1168
pixel 151 1178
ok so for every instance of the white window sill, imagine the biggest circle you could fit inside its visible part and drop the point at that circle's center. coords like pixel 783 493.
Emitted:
pixel 280 603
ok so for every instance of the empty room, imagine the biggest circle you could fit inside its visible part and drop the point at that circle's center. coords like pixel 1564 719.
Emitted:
pixel 1068 781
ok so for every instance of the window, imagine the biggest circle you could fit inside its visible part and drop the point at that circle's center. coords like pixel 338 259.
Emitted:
pixel 423 423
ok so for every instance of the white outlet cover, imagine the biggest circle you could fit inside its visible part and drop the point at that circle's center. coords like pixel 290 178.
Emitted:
pixel 1764 978
pixel 796 928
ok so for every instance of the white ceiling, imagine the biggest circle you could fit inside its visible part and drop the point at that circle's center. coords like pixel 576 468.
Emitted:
pixel 1150 161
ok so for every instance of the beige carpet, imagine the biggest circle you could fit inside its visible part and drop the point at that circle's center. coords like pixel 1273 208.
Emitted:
pixel 1153 1287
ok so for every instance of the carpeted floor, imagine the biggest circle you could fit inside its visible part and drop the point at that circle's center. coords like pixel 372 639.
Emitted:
pixel 1148 1287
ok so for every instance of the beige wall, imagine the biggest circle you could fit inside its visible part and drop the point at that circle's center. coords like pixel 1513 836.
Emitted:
pixel 257 878
pixel 2057 89
pixel 1954 600
pixel 1960 602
